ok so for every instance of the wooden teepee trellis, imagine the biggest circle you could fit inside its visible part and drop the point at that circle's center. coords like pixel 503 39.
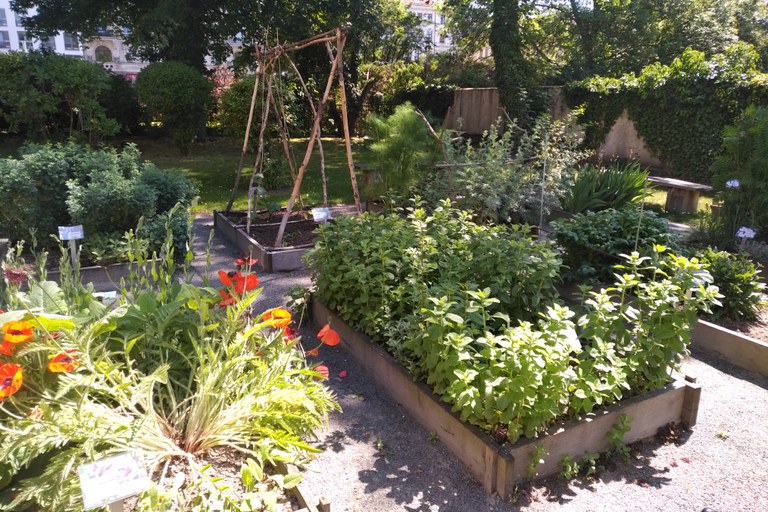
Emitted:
pixel 267 62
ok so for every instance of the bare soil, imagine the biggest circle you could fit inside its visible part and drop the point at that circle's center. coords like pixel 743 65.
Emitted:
pixel 297 233
pixel 757 329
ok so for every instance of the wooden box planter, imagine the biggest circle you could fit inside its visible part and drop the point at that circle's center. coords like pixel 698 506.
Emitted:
pixel 104 279
pixel 500 468
pixel 732 346
pixel 271 259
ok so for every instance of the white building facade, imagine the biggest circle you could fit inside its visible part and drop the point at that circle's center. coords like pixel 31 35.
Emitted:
pixel 432 23
pixel 14 37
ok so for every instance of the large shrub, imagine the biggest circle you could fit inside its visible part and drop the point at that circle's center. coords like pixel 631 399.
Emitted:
pixel 737 278
pixel 593 241
pixel 106 191
pixel 740 175
pixel 49 96
pixel 178 96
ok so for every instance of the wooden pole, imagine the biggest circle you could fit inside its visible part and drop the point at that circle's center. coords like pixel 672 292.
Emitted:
pixel 280 116
pixel 245 140
pixel 262 129
pixel 308 154
pixel 341 38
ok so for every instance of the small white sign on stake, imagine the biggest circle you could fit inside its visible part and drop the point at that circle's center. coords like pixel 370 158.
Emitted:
pixel 112 480
pixel 71 232
pixel 321 214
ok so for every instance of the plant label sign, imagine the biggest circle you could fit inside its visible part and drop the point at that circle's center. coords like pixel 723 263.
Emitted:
pixel 71 232
pixel 321 214
pixel 112 479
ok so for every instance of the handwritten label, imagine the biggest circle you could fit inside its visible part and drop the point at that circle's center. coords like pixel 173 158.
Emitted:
pixel 321 214
pixel 71 232
pixel 112 479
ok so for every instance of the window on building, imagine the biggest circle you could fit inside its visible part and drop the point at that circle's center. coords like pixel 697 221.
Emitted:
pixel 429 35
pixel 5 40
pixel 429 16
pixel 18 19
pixel 3 19
pixel 103 54
pixel 441 19
pixel 48 43
pixel 442 38
pixel 70 41
pixel 25 41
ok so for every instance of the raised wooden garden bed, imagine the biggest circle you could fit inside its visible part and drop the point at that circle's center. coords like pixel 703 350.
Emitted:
pixel 104 279
pixel 734 347
pixel 271 259
pixel 500 468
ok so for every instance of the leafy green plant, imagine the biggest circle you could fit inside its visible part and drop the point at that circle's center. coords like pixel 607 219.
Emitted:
pixel 569 468
pixel 402 147
pixel 596 188
pixel 737 278
pixel 593 241
pixel 740 174
pixel 616 435
pixel 537 457
pixel 171 372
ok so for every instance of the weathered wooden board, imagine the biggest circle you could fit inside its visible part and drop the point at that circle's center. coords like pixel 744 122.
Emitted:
pixel 734 347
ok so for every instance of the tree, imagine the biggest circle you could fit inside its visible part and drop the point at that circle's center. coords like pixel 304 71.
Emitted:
pixel 178 95
pixel 512 74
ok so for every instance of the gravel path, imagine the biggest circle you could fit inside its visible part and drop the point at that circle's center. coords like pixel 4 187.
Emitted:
pixel 377 459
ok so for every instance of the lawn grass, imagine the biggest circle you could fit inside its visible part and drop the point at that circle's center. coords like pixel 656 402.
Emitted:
pixel 657 200
pixel 214 165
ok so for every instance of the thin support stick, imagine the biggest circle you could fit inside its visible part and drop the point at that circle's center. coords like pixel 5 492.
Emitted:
pixel 341 38
pixel 260 152
pixel 245 141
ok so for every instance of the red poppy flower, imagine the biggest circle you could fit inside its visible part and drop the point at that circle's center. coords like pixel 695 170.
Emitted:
pixel 226 279
pixel 290 334
pixel 322 370
pixel 241 262
pixel 10 379
pixel 17 331
pixel 63 362
pixel 6 348
pixel 313 353
pixel 227 299
pixel 277 318
pixel 328 336
pixel 245 284
pixel 1 312
pixel 342 374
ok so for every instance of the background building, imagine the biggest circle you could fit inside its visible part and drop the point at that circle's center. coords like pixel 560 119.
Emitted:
pixel 432 23
pixel 13 36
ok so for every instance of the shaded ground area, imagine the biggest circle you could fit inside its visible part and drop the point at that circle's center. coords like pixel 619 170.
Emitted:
pixel 377 459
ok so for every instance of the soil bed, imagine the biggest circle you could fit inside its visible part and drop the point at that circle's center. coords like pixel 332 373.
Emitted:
pixel 757 329
pixel 297 233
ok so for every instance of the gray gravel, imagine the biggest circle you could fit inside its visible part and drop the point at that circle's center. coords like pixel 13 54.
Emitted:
pixel 377 459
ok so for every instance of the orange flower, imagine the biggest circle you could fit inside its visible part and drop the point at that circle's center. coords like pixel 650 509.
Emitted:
pixel 10 379
pixel 63 362
pixel 6 348
pixel 226 279
pixel 313 352
pixel 247 283
pixel 322 370
pixel 328 336
pixel 241 262
pixel 289 334
pixel 277 318
pixel 227 299
pixel 17 331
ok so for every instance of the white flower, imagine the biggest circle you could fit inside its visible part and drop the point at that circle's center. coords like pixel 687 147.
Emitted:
pixel 732 184
pixel 745 232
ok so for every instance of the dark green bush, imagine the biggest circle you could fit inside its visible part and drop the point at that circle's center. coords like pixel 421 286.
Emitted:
pixel 105 190
pixel 740 175
pixel 50 96
pixel 596 188
pixel 737 278
pixel 178 96
pixel 429 98
pixel 593 241
pixel 122 104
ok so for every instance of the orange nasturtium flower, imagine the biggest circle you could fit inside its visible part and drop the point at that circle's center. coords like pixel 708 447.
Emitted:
pixel 328 336
pixel 17 331
pixel 10 379
pixel 63 362
pixel 277 318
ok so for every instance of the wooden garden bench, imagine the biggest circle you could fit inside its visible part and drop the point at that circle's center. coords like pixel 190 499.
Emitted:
pixel 682 196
